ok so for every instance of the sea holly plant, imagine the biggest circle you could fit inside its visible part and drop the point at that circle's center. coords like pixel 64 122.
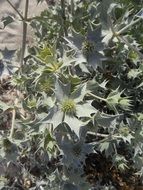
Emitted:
pixel 74 152
pixel 77 119
pixel 115 98
pixel 69 107
pixel 89 48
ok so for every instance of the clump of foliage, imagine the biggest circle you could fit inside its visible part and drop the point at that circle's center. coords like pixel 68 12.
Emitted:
pixel 75 120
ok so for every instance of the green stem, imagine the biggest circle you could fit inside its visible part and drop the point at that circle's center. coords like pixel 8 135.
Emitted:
pixel 104 135
pixel 72 8
pixel 97 97
pixel 24 33
pixel 13 123
pixel 63 17
pixel 128 26
pixel 123 39
pixel 112 27
pixel 63 118
pixel 13 118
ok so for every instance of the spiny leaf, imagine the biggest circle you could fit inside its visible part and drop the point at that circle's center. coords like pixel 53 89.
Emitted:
pixel 115 99
pixel 6 20
pixel 140 14
pixel 106 120
pixel 4 106
pixel 85 110
pixel 61 90
pixel 79 93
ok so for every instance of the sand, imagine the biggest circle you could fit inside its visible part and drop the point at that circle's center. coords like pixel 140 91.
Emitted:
pixel 11 35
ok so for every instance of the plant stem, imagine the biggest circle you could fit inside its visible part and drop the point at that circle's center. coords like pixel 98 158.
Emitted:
pixel 13 118
pixel 13 123
pixel 22 18
pixel 63 118
pixel 24 33
pixel 128 26
pixel 112 27
pixel 63 17
pixel 97 97
pixel 103 135
pixel 123 39
pixel 72 8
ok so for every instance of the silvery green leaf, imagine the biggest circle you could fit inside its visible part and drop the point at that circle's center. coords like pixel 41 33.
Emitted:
pixel 3 182
pixel 61 90
pixel 75 80
pixel 138 161
pixel 85 109
pixel 80 58
pixel 11 156
pixel 5 70
pixel 54 117
pixel 103 84
pixel 122 166
pixel 8 54
pixel 125 103
pixel 103 10
pixel 2 169
pixel 47 100
pixel 99 46
pixel 92 85
pixel 74 123
pixel 63 128
pixel 67 60
pixel 83 132
pixel 4 106
pixel 106 120
pixel 6 20
pixel 12 169
pixel 69 154
pixel 127 138
pixel 74 174
pixel 140 85
pixel 140 14
pixel 79 93
pixel 112 7
pixel 120 161
pixel 95 36
pixel 114 96
pixel 133 73
pixel 95 59
pixel 104 146
pixel 108 35
pixel 75 152
pixel 83 67
pixel 114 99
pixel 75 41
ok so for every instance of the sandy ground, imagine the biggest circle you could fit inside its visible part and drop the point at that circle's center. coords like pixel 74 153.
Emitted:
pixel 11 35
